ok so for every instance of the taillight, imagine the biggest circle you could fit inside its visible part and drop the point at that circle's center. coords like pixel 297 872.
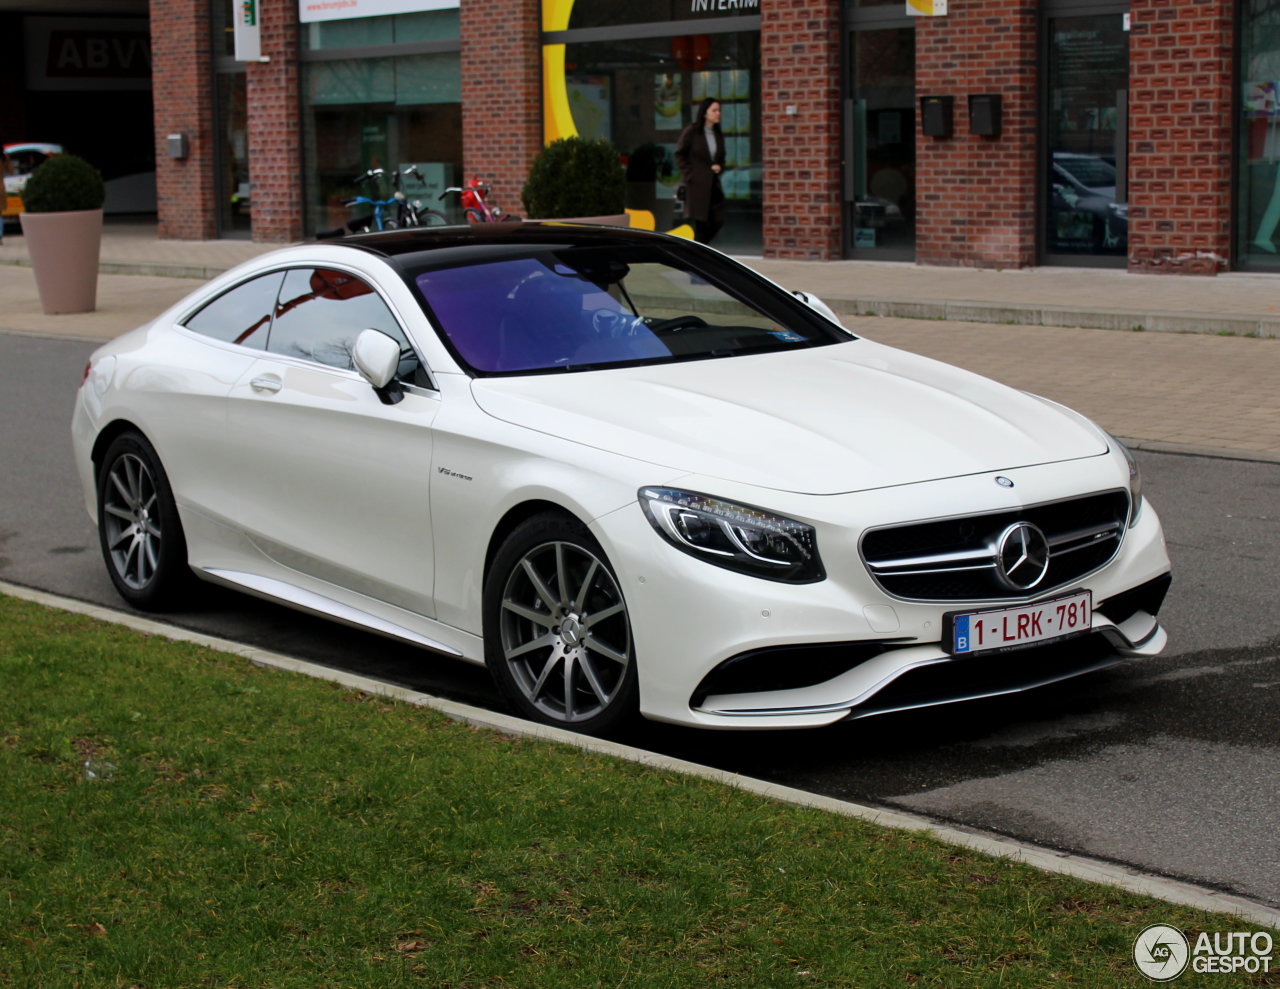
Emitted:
pixel 85 377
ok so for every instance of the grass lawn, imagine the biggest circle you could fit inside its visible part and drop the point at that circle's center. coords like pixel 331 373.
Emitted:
pixel 241 827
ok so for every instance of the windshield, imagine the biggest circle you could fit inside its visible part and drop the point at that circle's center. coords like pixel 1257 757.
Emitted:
pixel 581 308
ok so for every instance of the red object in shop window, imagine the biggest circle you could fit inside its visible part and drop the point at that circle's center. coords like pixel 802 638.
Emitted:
pixel 472 194
pixel 691 52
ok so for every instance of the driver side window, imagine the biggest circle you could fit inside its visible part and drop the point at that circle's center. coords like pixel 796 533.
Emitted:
pixel 321 311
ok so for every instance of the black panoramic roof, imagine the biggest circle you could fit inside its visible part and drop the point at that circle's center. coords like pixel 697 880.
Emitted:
pixel 396 243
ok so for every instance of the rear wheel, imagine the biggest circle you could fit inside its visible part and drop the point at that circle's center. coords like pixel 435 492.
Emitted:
pixel 557 633
pixel 138 525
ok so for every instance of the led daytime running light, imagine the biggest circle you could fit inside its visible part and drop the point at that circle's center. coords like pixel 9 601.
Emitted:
pixel 737 537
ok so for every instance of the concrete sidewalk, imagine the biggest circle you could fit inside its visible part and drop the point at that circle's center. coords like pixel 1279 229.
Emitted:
pixel 1206 384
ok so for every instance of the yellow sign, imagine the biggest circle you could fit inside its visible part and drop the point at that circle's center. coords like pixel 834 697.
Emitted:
pixel 927 8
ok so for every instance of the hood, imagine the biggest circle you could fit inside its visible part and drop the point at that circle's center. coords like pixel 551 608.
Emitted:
pixel 827 420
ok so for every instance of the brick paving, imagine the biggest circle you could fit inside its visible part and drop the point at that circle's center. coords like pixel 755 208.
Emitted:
pixel 1168 362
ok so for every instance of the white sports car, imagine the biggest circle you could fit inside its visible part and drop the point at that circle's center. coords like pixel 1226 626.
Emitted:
pixel 622 470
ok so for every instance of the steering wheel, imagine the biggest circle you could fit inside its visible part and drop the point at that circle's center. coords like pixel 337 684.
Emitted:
pixel 676 323
pixel 616 325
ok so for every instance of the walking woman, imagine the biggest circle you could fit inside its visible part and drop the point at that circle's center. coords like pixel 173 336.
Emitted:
pixel 700 157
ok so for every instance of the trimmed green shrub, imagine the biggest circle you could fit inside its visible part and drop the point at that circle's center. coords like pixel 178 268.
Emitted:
pixel 575 177
pixel 62 184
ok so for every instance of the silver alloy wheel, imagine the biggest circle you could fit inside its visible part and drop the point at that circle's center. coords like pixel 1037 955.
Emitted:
pixel 564 632
pixel 131 516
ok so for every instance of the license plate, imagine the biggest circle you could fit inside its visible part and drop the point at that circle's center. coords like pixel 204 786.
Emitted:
pixel 1024 625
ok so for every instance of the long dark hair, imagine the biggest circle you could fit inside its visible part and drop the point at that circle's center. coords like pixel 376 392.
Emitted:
pixel 701 119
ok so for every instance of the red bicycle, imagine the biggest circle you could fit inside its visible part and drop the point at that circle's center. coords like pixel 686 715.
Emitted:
pixel 476 205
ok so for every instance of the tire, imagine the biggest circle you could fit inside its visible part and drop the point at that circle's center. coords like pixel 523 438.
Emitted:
pixel 557 632
pixel 138 526
pixel 431 218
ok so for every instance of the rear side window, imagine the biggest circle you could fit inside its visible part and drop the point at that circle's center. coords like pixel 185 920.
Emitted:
pixel 241 315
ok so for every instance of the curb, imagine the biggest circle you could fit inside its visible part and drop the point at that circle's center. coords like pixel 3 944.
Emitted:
pixel 1193 450
pixel 1011 313
pixel 156 269
pixel 969 311
pixel 998 846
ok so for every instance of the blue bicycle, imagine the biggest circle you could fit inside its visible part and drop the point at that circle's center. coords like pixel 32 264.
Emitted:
pixel 393 213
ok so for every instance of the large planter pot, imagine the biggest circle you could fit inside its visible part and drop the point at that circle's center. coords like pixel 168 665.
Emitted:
pixel 63 248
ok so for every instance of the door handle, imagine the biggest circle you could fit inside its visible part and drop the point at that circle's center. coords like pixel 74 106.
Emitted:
pixel 272 385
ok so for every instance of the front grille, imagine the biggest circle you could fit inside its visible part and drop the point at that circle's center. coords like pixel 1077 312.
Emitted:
pixel 955 559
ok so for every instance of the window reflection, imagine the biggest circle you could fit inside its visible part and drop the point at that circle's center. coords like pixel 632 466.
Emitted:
pixel 1087 208
pixel 242 315
pixel 320 313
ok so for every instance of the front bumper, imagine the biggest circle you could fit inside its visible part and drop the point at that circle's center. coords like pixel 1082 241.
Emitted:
pixel 719 649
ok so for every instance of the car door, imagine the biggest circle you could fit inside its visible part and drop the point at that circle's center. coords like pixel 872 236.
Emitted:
pixel 186 383
pixel 332 482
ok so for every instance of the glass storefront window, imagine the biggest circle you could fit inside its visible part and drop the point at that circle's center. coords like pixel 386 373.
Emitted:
pixel 609 13
pixel 883 144
pixel 432 25
pixel 1258 217
pixel 389 106
pixel 1086 204
pixel 639 93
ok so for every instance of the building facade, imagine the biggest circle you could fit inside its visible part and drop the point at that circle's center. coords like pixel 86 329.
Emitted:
pixel 1124 133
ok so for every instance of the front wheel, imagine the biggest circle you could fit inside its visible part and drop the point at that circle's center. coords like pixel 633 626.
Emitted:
pixel 138 525
pixel 431 218
pixel 557 633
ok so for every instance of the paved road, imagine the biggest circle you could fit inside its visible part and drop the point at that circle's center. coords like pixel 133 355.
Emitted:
pixel 1169 765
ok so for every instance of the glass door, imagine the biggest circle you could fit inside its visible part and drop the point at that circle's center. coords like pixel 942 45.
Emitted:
pixel 880 144
pixel 1085 202
pixel 234 202
pixel 1258 150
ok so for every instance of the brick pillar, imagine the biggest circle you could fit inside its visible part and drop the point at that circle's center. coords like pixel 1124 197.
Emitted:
pixel 182 90
pixel 975 196
pixel 1181 108
pixel 274 127
pixel 800 44
pixel 501 94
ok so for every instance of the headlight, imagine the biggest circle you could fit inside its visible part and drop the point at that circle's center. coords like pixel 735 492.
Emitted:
pixel 736 537
pixel 1135 481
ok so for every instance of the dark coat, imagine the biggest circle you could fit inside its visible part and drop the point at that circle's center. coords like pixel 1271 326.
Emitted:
pixel 694 160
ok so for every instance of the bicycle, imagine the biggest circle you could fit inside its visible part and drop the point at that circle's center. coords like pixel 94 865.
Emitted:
pixel 403 212
pixel 413 211
pixel 474 199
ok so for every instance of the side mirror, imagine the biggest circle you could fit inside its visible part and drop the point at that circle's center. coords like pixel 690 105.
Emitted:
pixel 377 357
pixel 813 302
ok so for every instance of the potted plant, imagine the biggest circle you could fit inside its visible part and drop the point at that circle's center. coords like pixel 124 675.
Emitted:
pixel 62 223
pixel 576 178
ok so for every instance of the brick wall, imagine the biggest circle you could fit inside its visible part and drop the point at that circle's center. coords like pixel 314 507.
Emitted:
pixel 1180 120
pixel 181 70
pixel 274 126
pixel 501 94
pixel 800 43
pixel 975 196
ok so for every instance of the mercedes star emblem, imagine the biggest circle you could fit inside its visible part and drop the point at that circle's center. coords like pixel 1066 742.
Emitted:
pixel 1022 556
